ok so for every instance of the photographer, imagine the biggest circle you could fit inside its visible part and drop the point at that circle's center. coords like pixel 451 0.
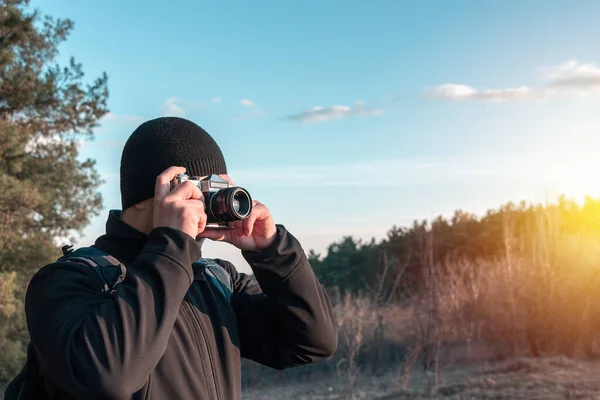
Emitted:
pixel 176 324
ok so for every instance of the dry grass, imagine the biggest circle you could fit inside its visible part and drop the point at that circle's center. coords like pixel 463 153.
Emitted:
pixel 536 303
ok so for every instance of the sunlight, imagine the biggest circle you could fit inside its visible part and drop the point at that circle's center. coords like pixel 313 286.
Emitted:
pixel 575 176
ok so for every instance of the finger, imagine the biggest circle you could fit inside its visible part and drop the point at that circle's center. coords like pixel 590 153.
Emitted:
pixel 227 178
pixel 248 223
pixel 216 235
pixel 193 207
pixel 163 181
pixel 185 191
pixel 202 222
pixel 237 228
pixel 202 214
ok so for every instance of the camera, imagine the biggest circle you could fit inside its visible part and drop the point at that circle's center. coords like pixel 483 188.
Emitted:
pixel 223 203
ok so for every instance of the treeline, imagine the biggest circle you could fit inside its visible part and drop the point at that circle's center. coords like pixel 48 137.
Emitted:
pixel 520 281
pixel 393 268
pixel 46 191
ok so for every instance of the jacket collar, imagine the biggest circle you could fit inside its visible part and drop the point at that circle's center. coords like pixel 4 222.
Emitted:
pixel 122 240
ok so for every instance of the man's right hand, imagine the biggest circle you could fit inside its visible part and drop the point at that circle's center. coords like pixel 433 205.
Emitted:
pixel 182 208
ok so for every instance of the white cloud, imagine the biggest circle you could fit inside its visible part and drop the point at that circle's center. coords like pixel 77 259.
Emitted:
pixel 173 108
pixel 572 69
pixel 569 77
pixel 573 76
pixel 216 100
pixel 177 107
pixel 109 116
pixel 247 103
pixel 323 114
pixel 121 117
pixel 451 91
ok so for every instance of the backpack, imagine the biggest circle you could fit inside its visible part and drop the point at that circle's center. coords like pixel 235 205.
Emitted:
pixel 111 272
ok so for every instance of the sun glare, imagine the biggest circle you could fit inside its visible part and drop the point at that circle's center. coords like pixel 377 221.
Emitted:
pixel 573 174
pixel 580 177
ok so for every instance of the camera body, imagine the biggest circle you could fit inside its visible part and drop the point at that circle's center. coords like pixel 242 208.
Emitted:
pixel 223 202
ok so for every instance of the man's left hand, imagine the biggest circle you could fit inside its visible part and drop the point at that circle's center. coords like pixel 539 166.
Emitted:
pixel 255 233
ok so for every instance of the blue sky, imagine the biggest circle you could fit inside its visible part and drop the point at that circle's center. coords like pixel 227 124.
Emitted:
pixel 346 118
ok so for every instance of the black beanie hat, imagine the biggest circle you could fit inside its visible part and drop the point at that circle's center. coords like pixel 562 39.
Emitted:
pixel 162 143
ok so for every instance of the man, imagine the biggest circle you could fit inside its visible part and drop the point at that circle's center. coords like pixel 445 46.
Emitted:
pixel 165 332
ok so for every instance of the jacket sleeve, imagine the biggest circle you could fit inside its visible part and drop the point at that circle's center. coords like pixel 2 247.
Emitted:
pixel 285 318
pixel 98 347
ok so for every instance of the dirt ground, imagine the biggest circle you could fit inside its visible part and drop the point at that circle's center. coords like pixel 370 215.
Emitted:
pixel 550 378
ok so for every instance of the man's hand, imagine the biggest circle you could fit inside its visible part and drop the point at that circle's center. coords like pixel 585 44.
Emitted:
pixel 182 208
pixel 255 233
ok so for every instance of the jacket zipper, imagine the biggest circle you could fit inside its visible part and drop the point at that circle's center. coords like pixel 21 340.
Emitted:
pixel 202 344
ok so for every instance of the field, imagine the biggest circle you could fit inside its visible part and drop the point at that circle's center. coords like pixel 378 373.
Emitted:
pixel 546 378
pixel 525 325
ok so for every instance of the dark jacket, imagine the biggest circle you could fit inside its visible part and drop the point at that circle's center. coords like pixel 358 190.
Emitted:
pixel 167 333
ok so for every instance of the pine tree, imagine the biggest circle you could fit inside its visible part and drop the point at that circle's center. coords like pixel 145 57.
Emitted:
pixel 46 192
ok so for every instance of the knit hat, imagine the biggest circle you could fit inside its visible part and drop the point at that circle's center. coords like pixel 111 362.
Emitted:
pixel 162 143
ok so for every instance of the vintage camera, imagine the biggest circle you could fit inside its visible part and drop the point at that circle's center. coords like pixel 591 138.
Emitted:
pixel 223 203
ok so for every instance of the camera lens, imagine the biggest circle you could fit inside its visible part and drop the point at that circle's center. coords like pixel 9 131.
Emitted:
pixel 231 204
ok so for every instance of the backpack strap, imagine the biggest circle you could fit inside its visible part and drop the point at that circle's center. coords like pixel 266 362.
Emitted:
pixel 110 270
pixel 218 276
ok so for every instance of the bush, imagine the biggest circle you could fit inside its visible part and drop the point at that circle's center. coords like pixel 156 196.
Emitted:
pixel 537 300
